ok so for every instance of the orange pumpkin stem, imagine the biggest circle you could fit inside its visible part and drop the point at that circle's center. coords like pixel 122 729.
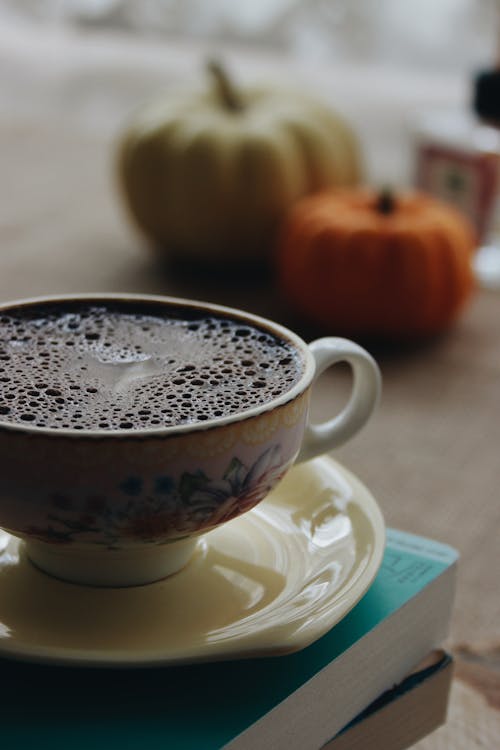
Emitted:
pixel 227 93
pixel 386 201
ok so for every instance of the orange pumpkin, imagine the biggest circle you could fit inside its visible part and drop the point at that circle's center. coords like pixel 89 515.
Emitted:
pixel 373 263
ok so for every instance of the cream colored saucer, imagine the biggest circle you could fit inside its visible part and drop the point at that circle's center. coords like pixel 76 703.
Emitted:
pixel 269 582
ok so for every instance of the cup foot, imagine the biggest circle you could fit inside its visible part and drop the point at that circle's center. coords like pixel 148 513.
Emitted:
pixel 106 567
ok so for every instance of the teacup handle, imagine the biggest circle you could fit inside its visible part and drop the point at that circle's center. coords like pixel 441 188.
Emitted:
pixel 323 437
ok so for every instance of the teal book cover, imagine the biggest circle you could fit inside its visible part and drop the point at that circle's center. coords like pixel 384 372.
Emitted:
pixel 196 706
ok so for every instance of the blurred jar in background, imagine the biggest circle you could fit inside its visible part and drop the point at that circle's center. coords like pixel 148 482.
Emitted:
pixel 458 160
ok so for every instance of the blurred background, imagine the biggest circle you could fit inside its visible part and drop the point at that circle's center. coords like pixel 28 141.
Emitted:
pixel 400 56
pixel 73 71
pixel 453 35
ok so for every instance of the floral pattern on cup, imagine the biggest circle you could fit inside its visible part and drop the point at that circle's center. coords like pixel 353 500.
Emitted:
pixel 167 510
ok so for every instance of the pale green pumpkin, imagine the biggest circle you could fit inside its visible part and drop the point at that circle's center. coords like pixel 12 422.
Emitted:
pixel 209 174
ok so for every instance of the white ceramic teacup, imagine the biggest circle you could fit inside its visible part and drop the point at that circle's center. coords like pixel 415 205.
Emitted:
pixel 126 507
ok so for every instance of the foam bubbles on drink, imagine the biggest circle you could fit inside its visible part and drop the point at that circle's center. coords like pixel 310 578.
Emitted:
pixel 89 367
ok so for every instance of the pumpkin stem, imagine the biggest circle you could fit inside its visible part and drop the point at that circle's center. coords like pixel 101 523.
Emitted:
pixel 386 201
pixel 224 86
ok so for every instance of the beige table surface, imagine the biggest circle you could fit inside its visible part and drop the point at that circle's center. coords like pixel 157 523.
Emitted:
pixel 431 455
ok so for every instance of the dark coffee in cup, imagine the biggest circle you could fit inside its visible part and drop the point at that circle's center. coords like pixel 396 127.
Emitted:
pixel 122 365
pixel 131 425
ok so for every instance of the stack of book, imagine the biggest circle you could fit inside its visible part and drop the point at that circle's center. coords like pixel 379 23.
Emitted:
pixel 378 679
